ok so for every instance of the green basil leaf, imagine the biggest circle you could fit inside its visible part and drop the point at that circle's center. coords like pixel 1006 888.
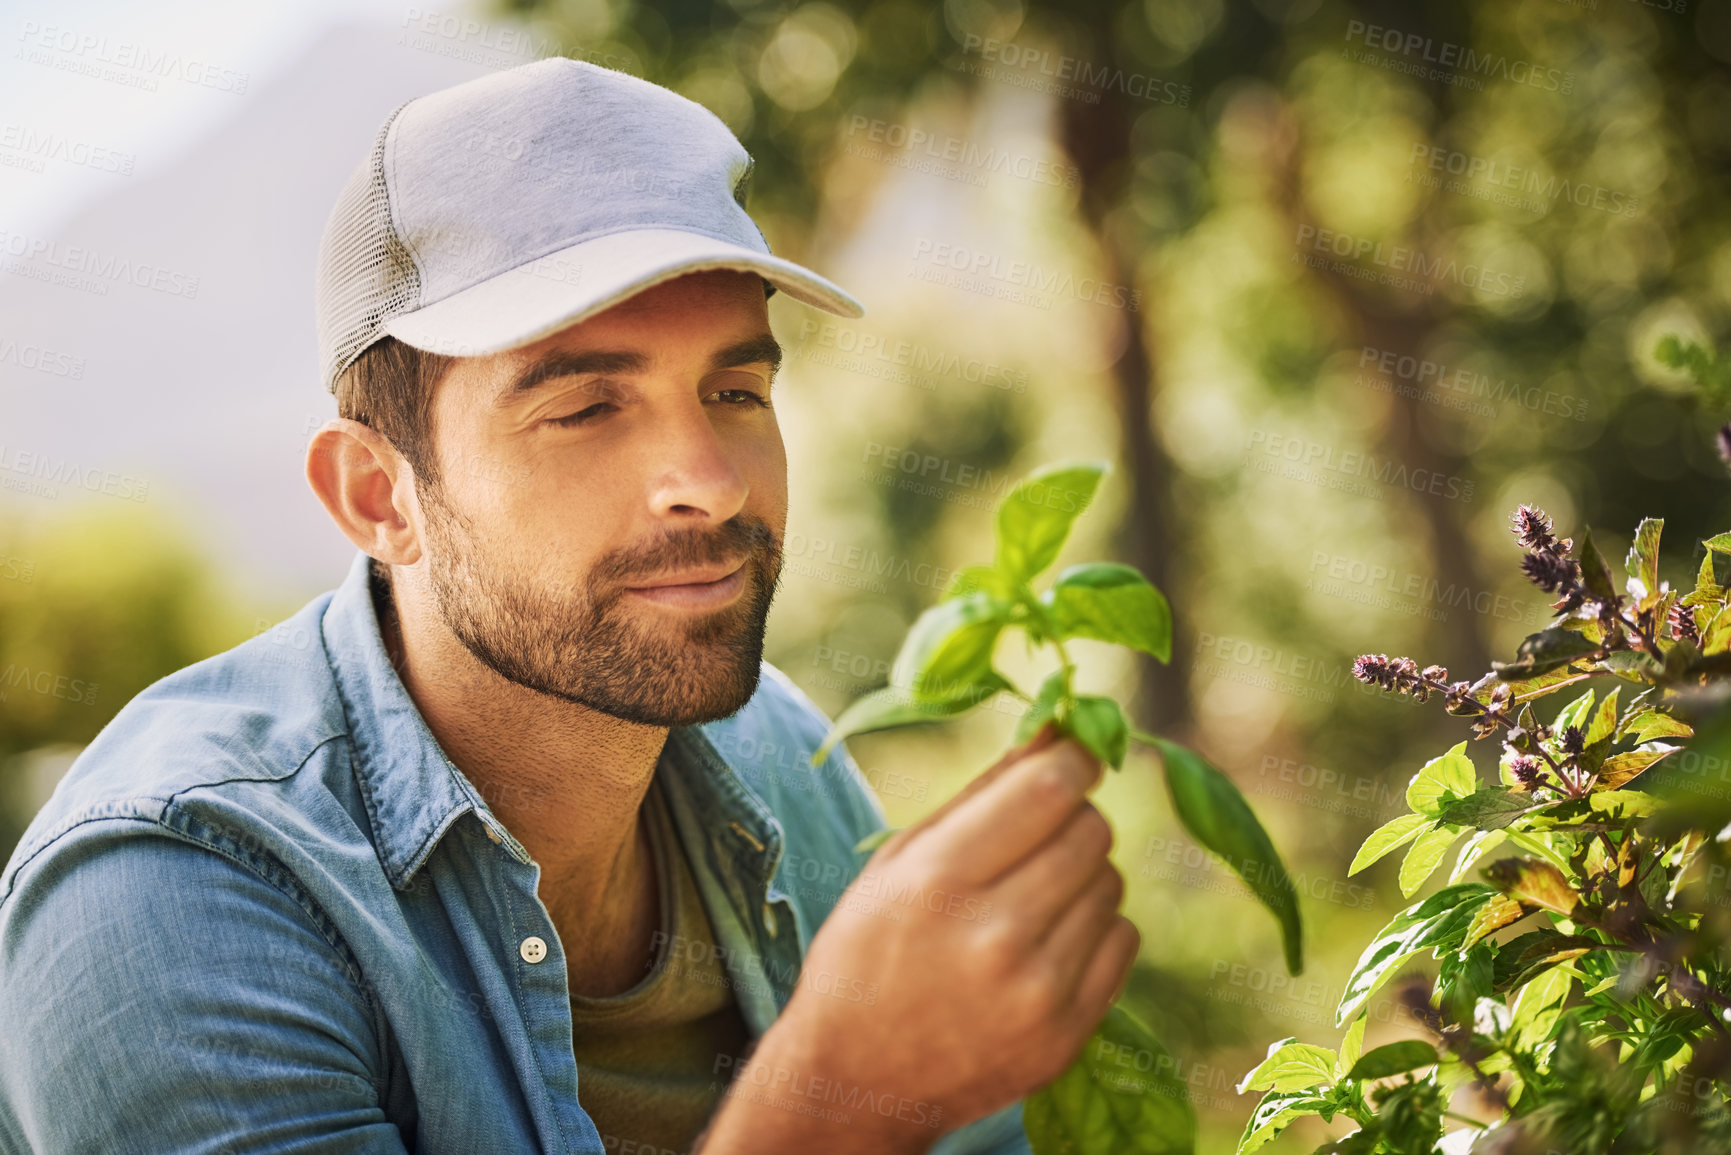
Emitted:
pixel 1473 849
pixel 1122 1094
pixel 1574 714
pixel 1442 779
pixel 1352 1046
pixel 1216 815
pixel 1535 882
pixel 1036 517
pixel 1390 835
pixel 1543 652
pixel 1044 704
pixel 1620 769
pixel 1649 724
pixel 1099 725
pixel 1716 638
pixel 1488 809
pixel 1394 1059
pixel 1426 852
pixel 893 706
pixel 1604 723
pixel 1428 922
pixel 1643 560
pixel 1499 912
pixel 1595 573
pixel 948 650
pixel 1537 1006
pixel 1290 1066
pixel 1536 686
pixel 1110 603
pixel 981 579
pixel 1275 1112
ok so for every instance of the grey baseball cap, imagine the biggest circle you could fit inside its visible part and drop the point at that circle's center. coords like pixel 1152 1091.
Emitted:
pixel 489 215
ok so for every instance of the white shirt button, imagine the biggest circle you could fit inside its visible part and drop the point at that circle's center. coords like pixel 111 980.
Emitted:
pixel 533 949
pixel 769 919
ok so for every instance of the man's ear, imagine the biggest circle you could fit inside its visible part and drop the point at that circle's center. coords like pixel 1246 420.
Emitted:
pixel 368 489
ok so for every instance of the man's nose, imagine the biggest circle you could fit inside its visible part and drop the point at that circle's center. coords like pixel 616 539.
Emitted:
pixel 694 476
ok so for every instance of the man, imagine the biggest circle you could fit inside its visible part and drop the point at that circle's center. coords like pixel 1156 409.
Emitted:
pixel 510 843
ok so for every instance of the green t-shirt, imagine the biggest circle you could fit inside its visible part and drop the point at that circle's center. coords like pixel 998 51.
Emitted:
pixel 647 1058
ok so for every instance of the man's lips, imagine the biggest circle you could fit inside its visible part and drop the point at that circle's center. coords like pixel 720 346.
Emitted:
pixel 695 589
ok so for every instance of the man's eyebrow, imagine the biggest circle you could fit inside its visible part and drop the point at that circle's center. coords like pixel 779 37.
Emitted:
pixel 573 364
pixel 761 349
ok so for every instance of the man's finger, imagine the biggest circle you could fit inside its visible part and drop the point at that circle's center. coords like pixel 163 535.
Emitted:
pixel 1107 972
pixel 1042 738
pixel 1076 937
pixel 1002 822
pixel 1045 884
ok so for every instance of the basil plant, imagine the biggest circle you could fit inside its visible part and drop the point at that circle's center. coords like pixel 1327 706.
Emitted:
pixel 944 667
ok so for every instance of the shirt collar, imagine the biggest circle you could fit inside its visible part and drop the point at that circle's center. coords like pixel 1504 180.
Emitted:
pixel 414 793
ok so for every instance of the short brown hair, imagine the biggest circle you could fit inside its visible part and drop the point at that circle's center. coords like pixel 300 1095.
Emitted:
pixel 389 388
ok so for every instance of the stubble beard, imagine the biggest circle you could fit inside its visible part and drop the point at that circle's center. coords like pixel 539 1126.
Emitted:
pixel 599 646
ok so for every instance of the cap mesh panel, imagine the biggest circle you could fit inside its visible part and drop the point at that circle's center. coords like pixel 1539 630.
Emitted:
pixel 365 274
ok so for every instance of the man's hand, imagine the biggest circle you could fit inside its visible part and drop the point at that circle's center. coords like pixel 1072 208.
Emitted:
pixel 992 933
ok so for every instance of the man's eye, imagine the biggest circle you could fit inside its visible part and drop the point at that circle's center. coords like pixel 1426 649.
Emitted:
pixel 582 416
pixel 743 397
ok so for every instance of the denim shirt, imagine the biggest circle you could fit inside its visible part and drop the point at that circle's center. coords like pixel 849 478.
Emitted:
pixel 264 912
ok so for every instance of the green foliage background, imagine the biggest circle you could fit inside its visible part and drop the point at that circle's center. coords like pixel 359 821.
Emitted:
pixel 1199 206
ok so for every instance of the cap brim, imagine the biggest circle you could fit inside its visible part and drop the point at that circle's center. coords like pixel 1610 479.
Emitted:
pixel 538 299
